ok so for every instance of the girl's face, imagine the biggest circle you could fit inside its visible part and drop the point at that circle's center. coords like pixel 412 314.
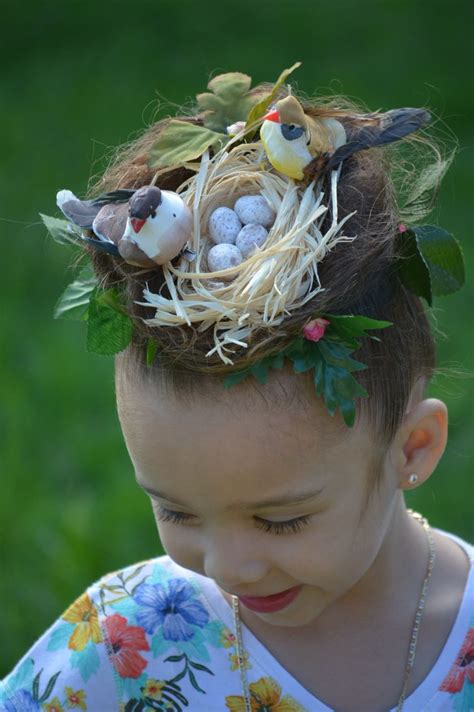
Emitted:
pixel 211 469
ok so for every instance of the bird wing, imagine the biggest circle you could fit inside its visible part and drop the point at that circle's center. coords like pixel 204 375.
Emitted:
pixel 81 212
pixel 110 222
pixel 122 195
pixel 375 130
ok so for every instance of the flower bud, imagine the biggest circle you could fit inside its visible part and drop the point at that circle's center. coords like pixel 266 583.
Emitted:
pixel 314 330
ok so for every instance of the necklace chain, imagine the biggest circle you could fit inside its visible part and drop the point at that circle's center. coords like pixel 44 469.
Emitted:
pixel 414 634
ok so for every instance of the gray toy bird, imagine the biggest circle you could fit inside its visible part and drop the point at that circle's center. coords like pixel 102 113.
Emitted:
pixel 145 227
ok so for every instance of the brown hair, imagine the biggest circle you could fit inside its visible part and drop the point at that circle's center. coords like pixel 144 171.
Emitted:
pixel 359 277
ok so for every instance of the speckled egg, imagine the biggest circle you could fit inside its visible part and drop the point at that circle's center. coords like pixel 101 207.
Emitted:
pixel 250 237
pixel 224 256
pixel 254 209
pixel 224 225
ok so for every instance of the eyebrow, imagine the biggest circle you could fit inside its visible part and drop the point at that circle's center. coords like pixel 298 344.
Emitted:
pixel 281 501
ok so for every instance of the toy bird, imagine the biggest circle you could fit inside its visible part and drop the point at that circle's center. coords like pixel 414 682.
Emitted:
pixel 302 146
pixel 146 227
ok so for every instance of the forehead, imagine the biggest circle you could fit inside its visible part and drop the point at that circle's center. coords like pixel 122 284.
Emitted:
pixel 241 442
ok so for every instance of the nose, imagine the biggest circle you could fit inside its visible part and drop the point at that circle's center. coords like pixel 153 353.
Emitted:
pixel 234 562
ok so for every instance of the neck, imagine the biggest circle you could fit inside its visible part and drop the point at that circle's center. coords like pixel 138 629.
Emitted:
pixel 397 572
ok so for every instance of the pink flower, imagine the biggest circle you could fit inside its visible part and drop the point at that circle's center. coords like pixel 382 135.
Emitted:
pixel 126 640
pixel 402 228
pixel 314 330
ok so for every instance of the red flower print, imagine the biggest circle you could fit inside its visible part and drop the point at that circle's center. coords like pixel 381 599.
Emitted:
pixel 464 666
pixel 125 641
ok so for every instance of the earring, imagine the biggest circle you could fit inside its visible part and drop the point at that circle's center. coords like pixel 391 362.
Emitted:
pixel 412 478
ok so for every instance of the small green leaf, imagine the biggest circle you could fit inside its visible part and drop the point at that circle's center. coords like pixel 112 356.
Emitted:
pixel 151 349
pixel 350 326
pixel 181 141
pixel 74 302
pixel 62 231
pixel 260 109
pixel 109 330
pixel 338 354
pixel 233 378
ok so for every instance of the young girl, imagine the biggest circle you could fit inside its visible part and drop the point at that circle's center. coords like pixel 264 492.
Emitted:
pixel 295 577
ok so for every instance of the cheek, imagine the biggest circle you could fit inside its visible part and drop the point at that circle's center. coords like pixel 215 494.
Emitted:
pixel 180 544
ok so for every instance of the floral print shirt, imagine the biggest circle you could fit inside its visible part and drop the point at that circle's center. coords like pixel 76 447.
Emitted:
pixel 155 636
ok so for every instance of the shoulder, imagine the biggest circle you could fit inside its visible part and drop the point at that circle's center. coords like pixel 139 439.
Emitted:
pixel 102 649
pixel 71 664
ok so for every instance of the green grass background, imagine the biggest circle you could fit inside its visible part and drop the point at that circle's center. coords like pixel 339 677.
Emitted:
pixel 80 77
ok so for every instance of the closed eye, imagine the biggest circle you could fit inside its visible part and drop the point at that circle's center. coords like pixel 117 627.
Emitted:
pixel 290 526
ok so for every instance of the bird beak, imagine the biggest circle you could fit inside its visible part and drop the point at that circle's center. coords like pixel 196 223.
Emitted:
pixel 137 224
pixel 272 115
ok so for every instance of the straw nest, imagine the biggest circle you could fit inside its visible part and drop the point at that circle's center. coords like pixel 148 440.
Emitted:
pixel 276 280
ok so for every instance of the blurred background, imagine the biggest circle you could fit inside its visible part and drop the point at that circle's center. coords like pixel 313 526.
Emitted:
pixel 78 78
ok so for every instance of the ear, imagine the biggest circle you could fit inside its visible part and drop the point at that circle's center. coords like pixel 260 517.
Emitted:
pixel 422 441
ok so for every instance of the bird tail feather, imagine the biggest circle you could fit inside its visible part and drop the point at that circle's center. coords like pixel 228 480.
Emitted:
pixel 393 126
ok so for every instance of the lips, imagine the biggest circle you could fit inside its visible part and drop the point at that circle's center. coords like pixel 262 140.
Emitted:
pixel 269 604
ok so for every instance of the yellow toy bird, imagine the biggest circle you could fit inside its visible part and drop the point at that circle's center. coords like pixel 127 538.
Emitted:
pixel 292 139
pixel 303 146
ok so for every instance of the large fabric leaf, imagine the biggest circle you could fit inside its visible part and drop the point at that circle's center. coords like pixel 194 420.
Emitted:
pixel 74 302
pixel 227 101
pixel 431 262
pixel 181 141
pixel 110 329
pixel 62 231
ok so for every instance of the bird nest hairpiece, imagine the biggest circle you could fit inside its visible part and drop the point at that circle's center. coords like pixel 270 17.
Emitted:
pixel 277 277
pixel 239 242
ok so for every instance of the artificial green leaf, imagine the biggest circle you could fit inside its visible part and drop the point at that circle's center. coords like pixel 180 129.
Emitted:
pixel 260 371
pixel 181 141
pixel 412 269
pixel 74 302
pixel 330 358
pixel 260 109
pixel 442 255
pixel 151 349
pixel 431 262
pixel 349 327
pixel 337 354
pixel 233 378
pixel 109 329
pixel 62 231
pixel 227 101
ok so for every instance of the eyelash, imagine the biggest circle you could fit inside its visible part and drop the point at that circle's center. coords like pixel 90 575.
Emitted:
pixel 291 526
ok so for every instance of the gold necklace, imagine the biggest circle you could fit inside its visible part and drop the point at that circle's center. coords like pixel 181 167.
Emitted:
pixel 414 634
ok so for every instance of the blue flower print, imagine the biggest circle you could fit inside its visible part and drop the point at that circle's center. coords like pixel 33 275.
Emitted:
pixel 22 701
pixel 174 610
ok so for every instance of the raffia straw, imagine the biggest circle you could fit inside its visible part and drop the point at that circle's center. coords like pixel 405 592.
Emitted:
pixel 277 279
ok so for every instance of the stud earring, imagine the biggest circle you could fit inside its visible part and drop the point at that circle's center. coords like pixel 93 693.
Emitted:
pixel 412 478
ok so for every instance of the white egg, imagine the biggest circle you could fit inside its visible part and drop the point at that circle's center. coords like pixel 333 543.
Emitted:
pixel 250 237
pixel 254 209
pixel 224 225
pixel 223 256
